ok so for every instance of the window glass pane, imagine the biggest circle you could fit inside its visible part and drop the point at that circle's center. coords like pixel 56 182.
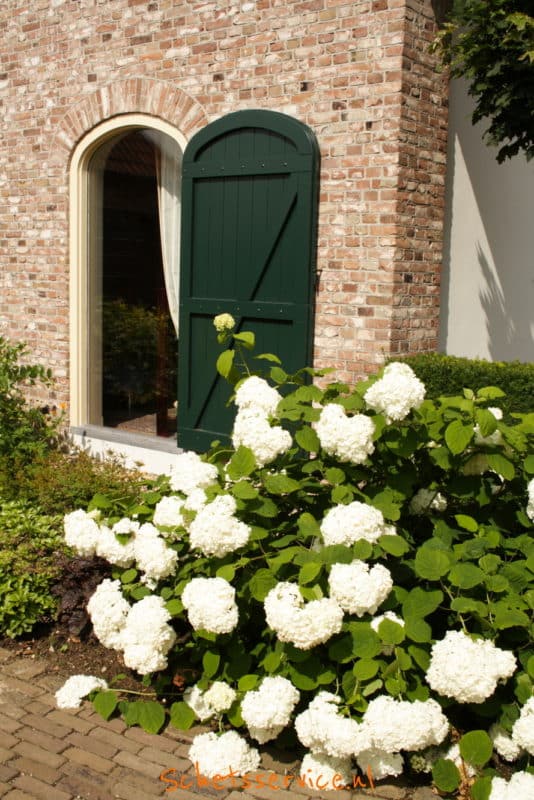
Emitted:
pixel 137 355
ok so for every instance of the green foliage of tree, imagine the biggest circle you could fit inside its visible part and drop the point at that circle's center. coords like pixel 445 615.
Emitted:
pixel 491 44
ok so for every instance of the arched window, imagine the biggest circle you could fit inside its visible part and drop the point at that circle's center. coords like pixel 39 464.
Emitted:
pixel 125 243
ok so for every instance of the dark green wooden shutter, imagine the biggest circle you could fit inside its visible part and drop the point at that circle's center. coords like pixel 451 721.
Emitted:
pixel 249 211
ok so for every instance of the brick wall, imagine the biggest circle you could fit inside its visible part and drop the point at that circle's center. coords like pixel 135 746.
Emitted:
pixel 360 74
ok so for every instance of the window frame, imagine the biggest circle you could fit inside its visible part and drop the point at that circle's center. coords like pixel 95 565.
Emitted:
pixel 83 266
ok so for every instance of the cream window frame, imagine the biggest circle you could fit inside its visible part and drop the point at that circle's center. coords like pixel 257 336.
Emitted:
pixel 85 269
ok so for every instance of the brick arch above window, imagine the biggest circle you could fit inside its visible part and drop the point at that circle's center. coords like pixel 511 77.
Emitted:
pixel 129 96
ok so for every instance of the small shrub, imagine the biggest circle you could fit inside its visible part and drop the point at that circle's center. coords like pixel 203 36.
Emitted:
pixel 26 432
pixel 60 482
pixel 30 544
pixel 449 375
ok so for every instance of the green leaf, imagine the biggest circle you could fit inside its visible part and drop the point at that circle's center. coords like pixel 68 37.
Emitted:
pixel 301 680
pixel 336 554
pixel 341 495
pixel 481 788
pixel 431 564
pixel 174 607
pixel 458 436
pixel 529 465
pixel 105 703
pixel 280 484
pixel 244 490
pixel 418 630
pixel 420 603
pixel 248 682
pixel 261 584
pixel 510 618
pixel 476 748
pixel 308 572
pixel 100 501
pixel 227 571
pixel 446 775
pixel 362 550
pixel 225 363
pixel 365 668
pixel 490 393
pixel 245 337
pixel 499 464
pixel 129 576
pixel 394 545
pixel 308 439
pixel 272 661
pixel 151 716
pixel 391 632
pixel 467 523
pixel 308 525
pixel 278 375
pixel 269 357
pixel 334 475
pixel 182 716
pixel 366 643
pixel 210 663
pixel 486 422
pixel 466 576
pixel 241 464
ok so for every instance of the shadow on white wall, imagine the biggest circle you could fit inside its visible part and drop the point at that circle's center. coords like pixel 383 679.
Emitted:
pixel 488 275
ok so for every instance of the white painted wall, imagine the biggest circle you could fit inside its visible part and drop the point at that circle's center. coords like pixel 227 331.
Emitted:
pixel 487 305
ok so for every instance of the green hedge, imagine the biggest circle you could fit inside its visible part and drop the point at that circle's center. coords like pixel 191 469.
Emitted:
pixel 448 375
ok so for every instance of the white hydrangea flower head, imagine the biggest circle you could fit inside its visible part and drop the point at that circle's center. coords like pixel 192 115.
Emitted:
pixel 523 730
pixel 358 588
pixel 190 472
pixel 467 669
pixel 75 688
pixel 81 532
pixel 530 504
pixel 207 704
pixel 220 696
pixel 108 609
pixel 196 500
pixel 223 322
pixel 402 725
pixel 396 393
pixel 168 514
pixel 194 697
pixel 326 773
pixel 252 430
pixel 503 743
pixel 426 499
pixel 493 438
pixel 256 394
pixel 109 548
pixel 375 622
pixel 154 558
pixel 324 730
pixel 350 439
pixel 215 531
pixel 268 709
pixel 347 524
pixel 126 527
pixel 147 637
pixel 305 625
pixel 215 755
pixel 210 604
pixel 380 764
pixel 519 787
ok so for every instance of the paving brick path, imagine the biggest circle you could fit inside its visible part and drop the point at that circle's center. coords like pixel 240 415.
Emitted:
pixel 50 754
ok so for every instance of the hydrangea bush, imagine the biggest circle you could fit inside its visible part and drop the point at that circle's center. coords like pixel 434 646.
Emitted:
pixel 352 574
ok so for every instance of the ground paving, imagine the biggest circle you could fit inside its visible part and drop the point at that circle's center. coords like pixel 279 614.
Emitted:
pixel 49 754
